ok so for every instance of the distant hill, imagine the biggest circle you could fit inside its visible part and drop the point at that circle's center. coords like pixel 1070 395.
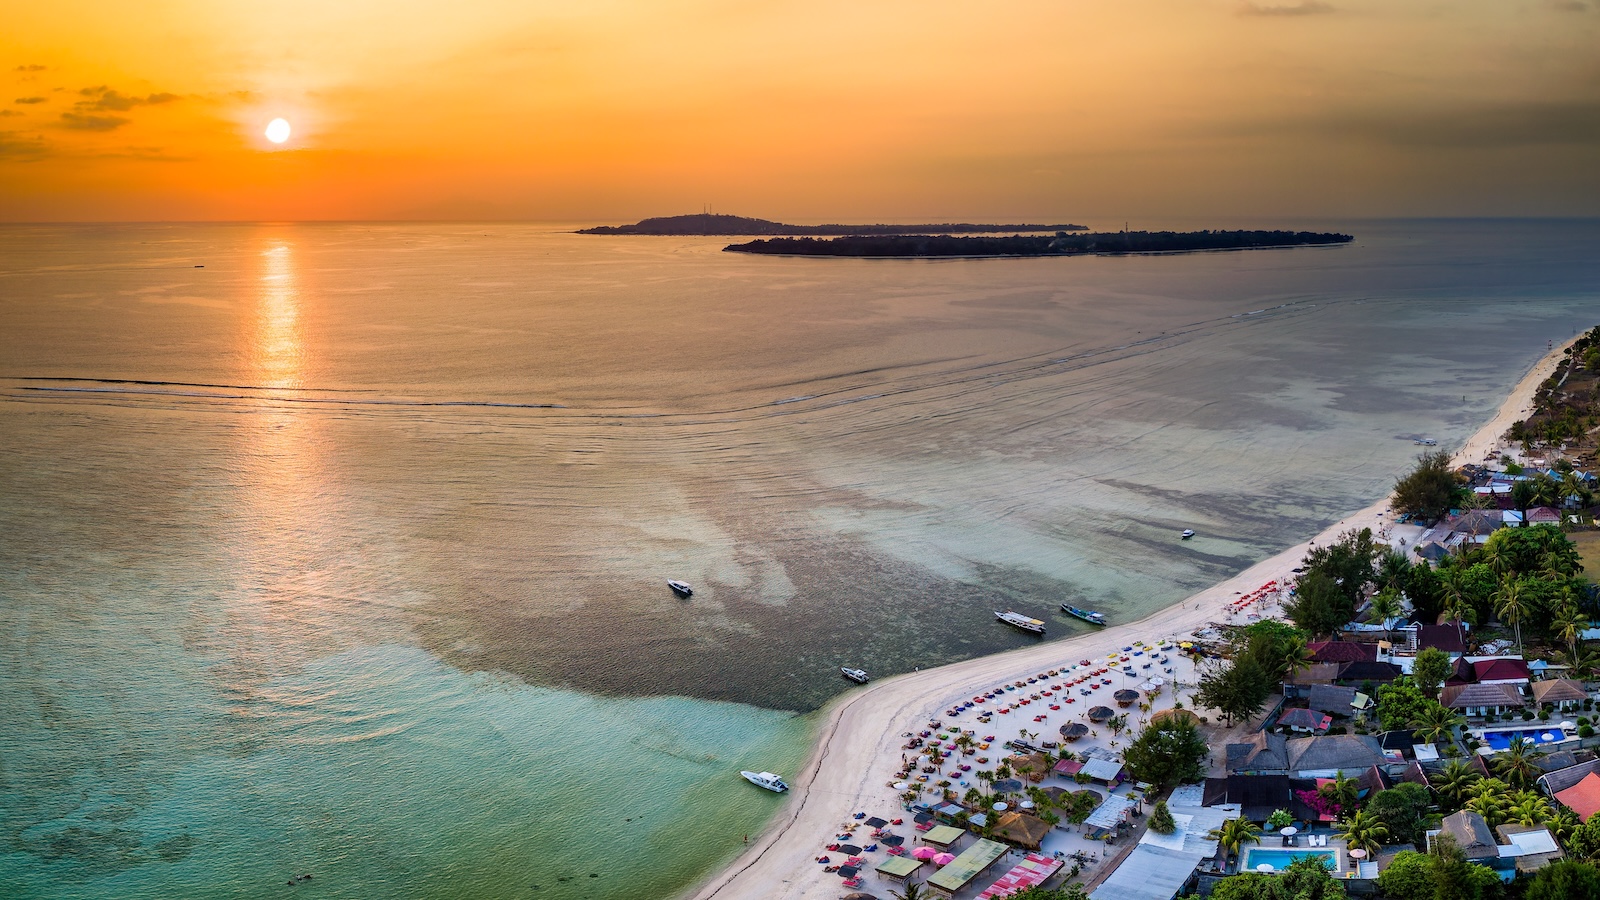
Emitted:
pixel 708 224
pixel 1061 244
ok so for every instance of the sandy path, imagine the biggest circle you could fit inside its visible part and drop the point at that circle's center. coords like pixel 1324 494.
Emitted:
pixel 859 745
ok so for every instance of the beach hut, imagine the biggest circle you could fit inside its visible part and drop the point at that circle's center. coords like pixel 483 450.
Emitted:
pixel 1072 731
pixel 1100 714
pixel 1126 697
pixel 1021 829
pixel 1177 715
pixel 1032 766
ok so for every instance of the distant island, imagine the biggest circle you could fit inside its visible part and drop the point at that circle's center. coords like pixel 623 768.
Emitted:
pixel 711 225
pixel 1061 244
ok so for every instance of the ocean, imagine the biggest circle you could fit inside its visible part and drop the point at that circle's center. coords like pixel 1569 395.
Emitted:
pixel 341 548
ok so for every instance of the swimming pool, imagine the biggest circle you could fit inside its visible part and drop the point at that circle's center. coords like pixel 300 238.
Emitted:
pixel 1500 740
pixel 1280 859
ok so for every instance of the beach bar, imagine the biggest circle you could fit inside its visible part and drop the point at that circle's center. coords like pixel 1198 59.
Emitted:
pixel 899 868
pixel 942 835
pixel 966 867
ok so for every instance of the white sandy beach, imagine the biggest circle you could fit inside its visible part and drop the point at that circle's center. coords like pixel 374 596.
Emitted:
pixel 859 746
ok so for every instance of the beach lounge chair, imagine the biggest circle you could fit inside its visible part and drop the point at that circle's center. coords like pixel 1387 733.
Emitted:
pixel 852 882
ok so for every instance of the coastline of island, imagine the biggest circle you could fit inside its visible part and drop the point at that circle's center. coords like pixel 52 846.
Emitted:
pixel 858 746
pixel 720 225
pixel 1116 243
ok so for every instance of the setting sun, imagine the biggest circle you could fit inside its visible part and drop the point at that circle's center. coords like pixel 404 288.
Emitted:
pixel 278 131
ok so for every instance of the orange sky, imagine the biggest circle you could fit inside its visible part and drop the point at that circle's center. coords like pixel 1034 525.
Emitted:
pixel 610 110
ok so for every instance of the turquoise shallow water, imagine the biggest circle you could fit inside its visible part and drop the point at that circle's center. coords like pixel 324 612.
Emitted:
pixel 345 554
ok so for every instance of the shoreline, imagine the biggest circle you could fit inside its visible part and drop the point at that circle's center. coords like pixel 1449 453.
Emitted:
pixel 857 747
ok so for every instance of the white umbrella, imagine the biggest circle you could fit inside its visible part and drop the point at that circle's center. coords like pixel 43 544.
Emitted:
pixel 901 785
pixel 1026 804
pixel 1287 830
pixel 1264 867
pixel 1568 725
pixel 1001 807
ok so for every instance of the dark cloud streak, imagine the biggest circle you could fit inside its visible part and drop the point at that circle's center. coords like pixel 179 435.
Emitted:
pixel 80 122
pixel 28 100
pixel 1528 124
pixel 1303 8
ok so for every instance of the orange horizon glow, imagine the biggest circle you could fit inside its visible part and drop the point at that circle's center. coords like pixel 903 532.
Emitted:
pixel 1054 110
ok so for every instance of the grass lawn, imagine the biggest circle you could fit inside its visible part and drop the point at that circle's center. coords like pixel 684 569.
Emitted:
pixel 1588 544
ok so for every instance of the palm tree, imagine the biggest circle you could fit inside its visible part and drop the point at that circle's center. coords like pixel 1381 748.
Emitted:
pixel 1234 834
pixel 986 777
pixel 1455 781
pixel 1511 604
pixel 1394 569
pixel 1457 605
pixel 1343 791
pixel 1575 485
pixel 1518 764
pixel 1385 606
pixel 1546 491
pixel 1562 824
pixel 1528 808
pixel 912 891
pixel 1364 831
pixel 1569 622
pixel 1435 721
pixel 1582 662
pixel 1490 798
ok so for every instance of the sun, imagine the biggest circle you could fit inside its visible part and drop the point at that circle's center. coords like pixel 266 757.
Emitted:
pixel 278 131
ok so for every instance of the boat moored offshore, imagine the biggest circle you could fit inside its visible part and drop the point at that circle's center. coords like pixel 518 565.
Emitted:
pixel 767 780
pixel 1033 626
pixel 1088 615
pixel 1188 533
pixel 681 588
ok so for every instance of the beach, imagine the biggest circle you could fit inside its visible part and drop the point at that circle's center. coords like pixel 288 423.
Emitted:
pixel 860 744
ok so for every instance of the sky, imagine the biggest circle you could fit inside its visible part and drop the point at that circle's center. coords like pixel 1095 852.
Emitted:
pixel 805 111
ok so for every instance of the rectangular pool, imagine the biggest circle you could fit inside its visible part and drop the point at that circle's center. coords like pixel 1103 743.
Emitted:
pixel 1280 859
pixel 1547 734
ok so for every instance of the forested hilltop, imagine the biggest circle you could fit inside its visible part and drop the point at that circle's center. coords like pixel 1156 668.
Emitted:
pixel 710 225
pixel 1061 244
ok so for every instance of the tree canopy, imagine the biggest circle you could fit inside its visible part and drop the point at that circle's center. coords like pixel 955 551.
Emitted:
pixel 1431 667
pixel 1167 753
pixel 1430 490
pixel 1237 689
pixel 1403 810
pixel 1565 880
pixel 1305 879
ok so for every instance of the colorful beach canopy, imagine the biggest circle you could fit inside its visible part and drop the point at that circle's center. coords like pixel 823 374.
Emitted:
pixel 1034 870
pixel 969 865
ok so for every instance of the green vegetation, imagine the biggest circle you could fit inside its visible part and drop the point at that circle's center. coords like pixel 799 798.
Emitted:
pixel 1333 583
pixel 1235 833
pixel 1404 811
pixel 1161 819
pixel 1431 490
pixel 1565 880
pixel 1167 753
pixel 1566 407
pixel 1430 669
pixel 1441 874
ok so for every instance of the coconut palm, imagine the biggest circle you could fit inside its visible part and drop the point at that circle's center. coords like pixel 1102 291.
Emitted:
pixel 1385 606
pixel 1455 781
pixel 1528 808
pixel 1341 790
pixel 1394 570
pixel 1435 721
pixel 1518 764
pixel 1568 622
pixel 1581 662
pixel 912 891
pixel 1491 797
pixel 1575 485
pixel 1234 834
pixel 1546 491
pixel 1364 831
pixel 1511 604
pixel 1562 823
pixel 1297 656
pixel 1457 605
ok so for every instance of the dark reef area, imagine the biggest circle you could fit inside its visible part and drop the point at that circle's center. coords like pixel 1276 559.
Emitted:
pixel 1061 244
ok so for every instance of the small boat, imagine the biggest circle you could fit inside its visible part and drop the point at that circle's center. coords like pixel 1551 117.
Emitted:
pixel 1088 615
pixel 1019 620
pixel 767 780
pixel 1425 442
pixel 857 675
pixel 1187 533
pixel 681 588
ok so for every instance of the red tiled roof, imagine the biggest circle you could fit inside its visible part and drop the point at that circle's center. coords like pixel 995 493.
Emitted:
pixel 1500 669
pixel 1582 798
pixel 1342 651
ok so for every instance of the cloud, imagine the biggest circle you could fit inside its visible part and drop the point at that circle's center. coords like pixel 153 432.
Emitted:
pixel 104 99
pixel 1302 8
pixel 8 112
pixel 32 68
pixel 15 146
pixel 1577 6
pixel 79 122
pixel 29 100
pixel 1533 123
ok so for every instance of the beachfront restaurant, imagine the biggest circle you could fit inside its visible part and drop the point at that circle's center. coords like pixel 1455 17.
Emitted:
pixel 965 868
pixel 944 836
pixel 899 868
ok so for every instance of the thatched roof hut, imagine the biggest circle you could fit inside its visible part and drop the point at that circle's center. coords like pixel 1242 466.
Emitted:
pixel 1021 829
pixel 1178 715
pixel 1101 713
pixel 1126 697
pixel 1073 730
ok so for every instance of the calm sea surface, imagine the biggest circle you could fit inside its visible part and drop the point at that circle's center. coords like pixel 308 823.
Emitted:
pixel 345 553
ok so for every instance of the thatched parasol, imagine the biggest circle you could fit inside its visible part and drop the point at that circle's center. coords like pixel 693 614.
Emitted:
pixel 1176 715
pixel 1073 730
pixel 1101 713
pixel 1126 697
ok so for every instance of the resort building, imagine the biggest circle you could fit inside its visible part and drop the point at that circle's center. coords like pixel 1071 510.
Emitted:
pixel 1563 692
pixel 1482 699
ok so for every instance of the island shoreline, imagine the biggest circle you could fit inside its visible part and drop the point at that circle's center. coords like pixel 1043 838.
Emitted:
pixel 855 749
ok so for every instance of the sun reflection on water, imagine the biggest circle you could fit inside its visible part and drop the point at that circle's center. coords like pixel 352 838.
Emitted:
pixel 276 342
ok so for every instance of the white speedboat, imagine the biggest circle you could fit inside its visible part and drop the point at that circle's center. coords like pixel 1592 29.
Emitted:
pixel 767 780
pixel 681 588
pixel 859 676
pixel 1019 620
pixel 1188 533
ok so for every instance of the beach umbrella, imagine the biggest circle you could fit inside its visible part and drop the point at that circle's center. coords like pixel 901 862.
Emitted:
pixel 850 849
pixel 1126 697
pixel 1264 867
pixel 901 786
pixel 1001 807
pixel 944 859
pixel 1288 830
pixel 876 822
pixel 921 817
pixel 1026 804
pixel 924 853
pixel 1006 785
pixel 860 895
pixel 1074 730
pixel 848 871
pixel 1100 713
